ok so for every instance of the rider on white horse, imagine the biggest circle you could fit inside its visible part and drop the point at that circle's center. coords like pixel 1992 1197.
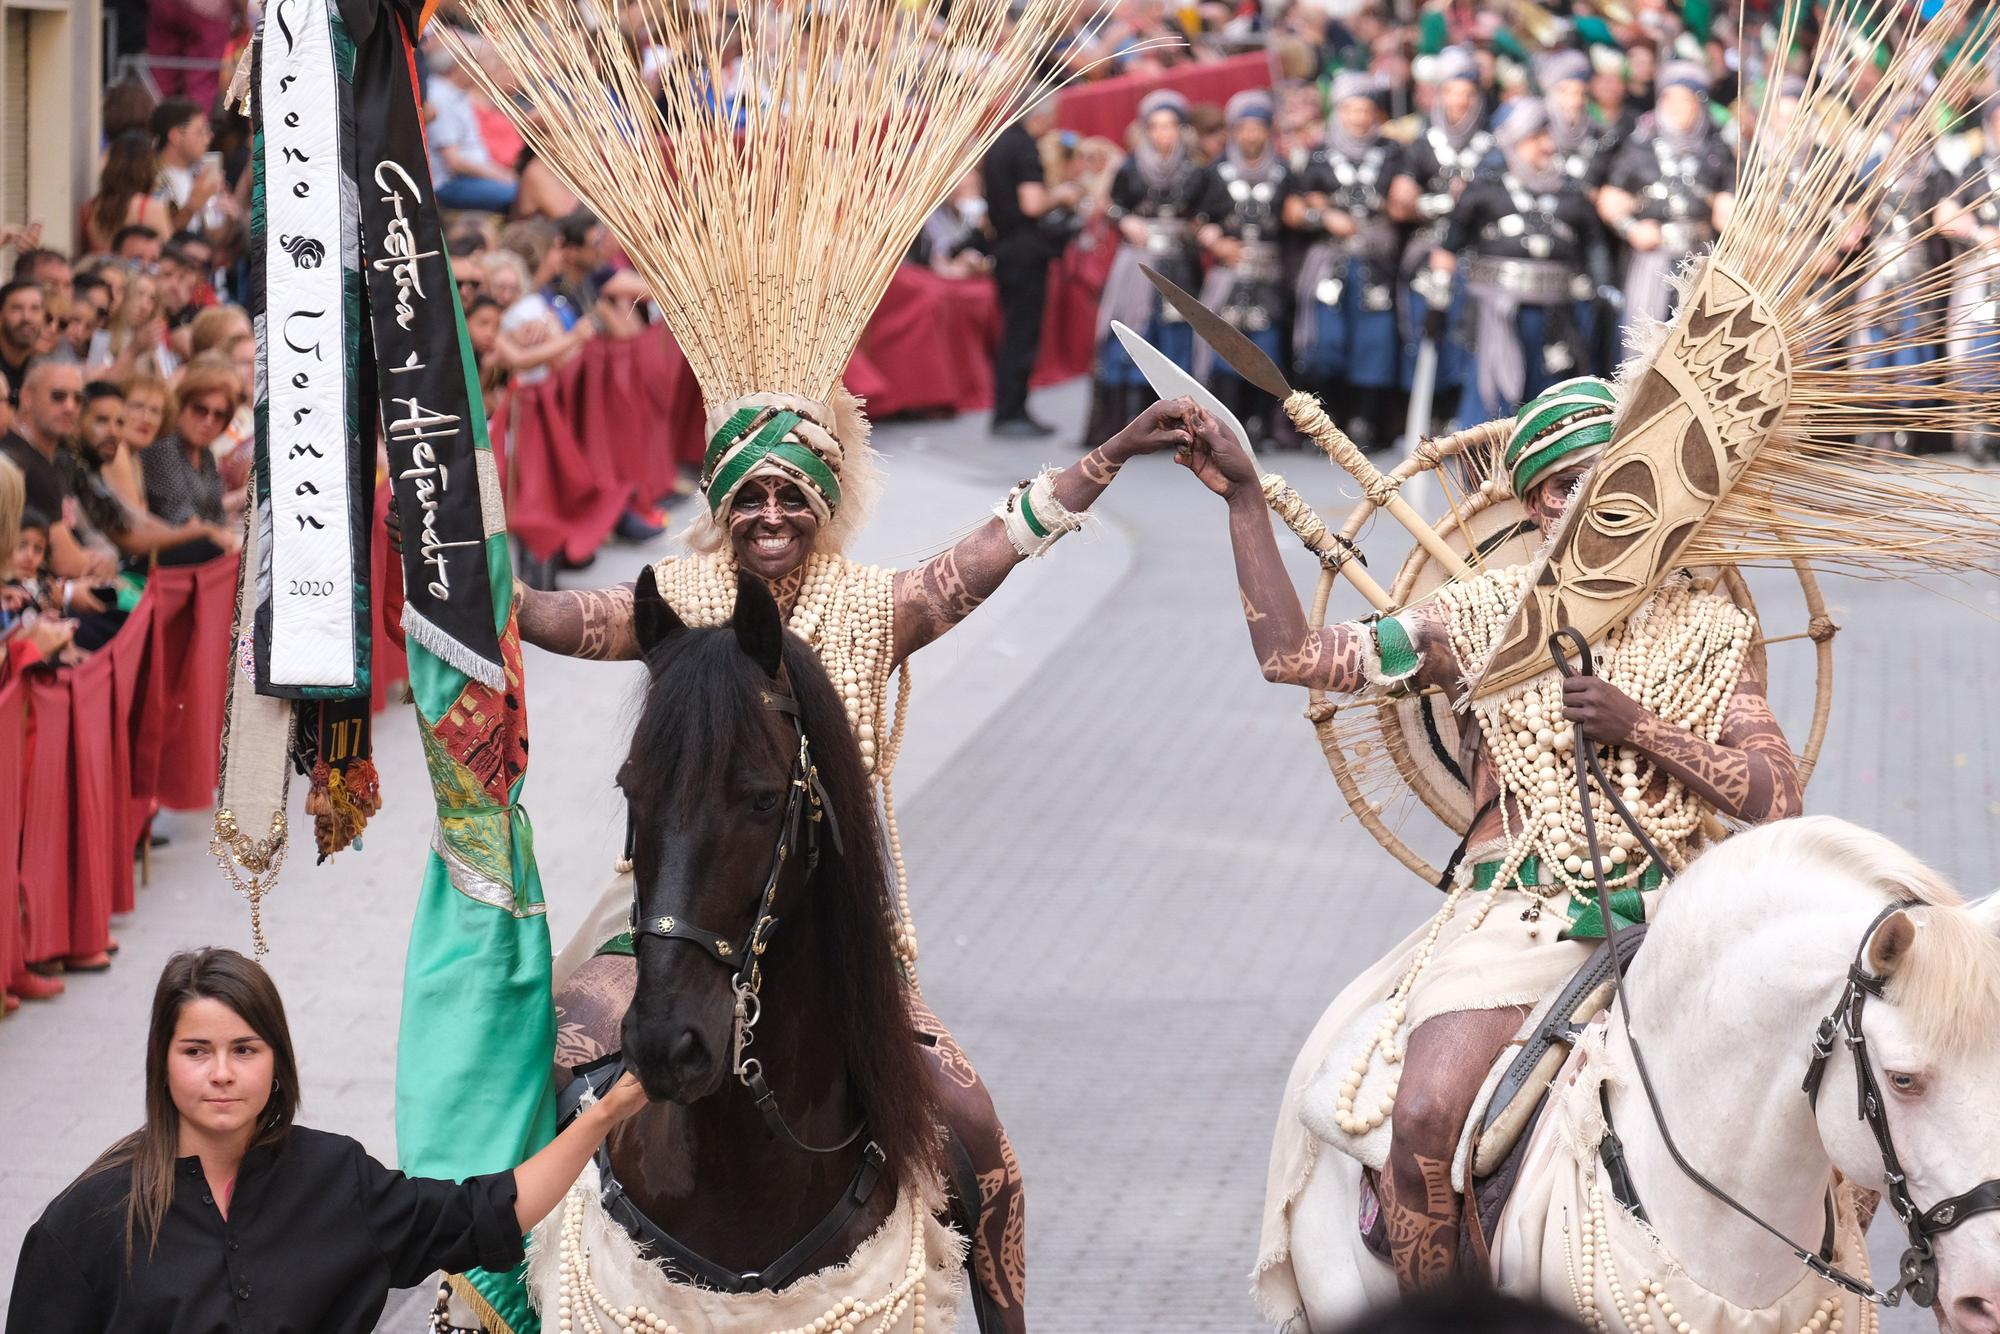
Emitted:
pixel 1676 693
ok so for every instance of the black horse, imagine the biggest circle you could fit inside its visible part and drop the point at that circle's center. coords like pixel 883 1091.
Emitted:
pixel 761 904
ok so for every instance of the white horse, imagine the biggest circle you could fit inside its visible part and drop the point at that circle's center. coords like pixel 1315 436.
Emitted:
pixel 1750 951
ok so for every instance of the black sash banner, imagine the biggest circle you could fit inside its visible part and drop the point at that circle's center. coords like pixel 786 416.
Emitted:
pixel 421 361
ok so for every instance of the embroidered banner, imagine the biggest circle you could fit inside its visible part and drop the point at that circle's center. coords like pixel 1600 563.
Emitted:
pixel 424 371
pixel 311 604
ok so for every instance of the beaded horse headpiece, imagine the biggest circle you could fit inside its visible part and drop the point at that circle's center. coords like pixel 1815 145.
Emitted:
pixel 767 181
pixel 1734 437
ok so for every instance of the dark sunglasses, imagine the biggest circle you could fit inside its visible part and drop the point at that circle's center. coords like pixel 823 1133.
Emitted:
pixel 207 413
pixel 65 395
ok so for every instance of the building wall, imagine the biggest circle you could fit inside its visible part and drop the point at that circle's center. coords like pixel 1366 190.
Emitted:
pixel 50 58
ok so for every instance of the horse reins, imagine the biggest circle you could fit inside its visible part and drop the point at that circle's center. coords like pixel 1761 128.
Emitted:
pixel 1918 1267
pixel 806 809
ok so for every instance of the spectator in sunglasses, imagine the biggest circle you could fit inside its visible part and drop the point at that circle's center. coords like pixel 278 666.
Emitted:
pixel 51 406
pixel 182 480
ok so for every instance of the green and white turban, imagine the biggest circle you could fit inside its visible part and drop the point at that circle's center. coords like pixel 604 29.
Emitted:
pixel 1565 424
pixel 764 435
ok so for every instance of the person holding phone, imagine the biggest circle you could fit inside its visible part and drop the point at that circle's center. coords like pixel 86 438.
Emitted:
pixel 191 177
pixel 221 1212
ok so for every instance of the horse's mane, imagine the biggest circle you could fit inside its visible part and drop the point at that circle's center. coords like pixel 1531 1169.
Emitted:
pixel 687 738
pixel 1948 985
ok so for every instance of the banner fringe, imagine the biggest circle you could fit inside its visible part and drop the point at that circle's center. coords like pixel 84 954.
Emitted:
pixel 450 652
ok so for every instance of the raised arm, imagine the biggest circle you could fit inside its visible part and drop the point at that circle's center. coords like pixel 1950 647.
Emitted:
pixel 934 596
pixel 579 623
pixel 1339 658
pixel 1748 772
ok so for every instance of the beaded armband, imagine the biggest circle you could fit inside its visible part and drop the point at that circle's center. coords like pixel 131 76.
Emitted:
pixel 1035 519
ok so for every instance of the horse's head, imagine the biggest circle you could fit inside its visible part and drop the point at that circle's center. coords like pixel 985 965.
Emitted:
pixel 1930 1045
pixel 707 784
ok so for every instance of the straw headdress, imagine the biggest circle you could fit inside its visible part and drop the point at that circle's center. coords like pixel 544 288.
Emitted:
pixel 1735 438
pixel 766 181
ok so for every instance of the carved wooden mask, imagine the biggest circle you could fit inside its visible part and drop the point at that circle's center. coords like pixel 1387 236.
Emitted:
pixel 1686 432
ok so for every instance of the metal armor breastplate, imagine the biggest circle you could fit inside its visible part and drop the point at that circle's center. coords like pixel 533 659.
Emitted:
pixel 1253 213
pixel 1533 225
pixel 1677 195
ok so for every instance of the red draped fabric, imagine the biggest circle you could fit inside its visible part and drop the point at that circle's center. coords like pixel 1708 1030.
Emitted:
pixel 564 494
pixel 1069 326
pixel 179 751
pixel 673 416
pixel 94 810
pixel 389 663
pixel 45 821
pixel 1108 108
pixel 13 725
pixel 127 652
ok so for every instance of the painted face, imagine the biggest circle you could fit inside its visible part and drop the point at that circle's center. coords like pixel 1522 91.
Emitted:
pixel 219 1072
pixel 1163 132
pixel 771 527
pixel 145 409
pixel 1680 444
pixel 1551 496
pixel 29 551
pixel 104 427
pixel 202 419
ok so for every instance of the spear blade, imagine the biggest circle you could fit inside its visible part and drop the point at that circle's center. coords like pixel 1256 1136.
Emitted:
pixel 1230 343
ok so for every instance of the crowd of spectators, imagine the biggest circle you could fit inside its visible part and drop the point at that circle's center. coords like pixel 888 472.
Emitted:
pixel 129 363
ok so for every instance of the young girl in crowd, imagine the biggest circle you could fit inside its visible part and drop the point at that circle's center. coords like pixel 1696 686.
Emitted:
pixel 220 1211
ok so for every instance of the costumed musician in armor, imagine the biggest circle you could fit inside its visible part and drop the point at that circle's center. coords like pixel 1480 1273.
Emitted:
pixel 1451 997
pixel 1164 205
pixel 1898 331
pixel 1344 342
pixel 1441 162
pixel 1521 239
pixel 1246 282
pixel 1667 191
pixel 1585 145
pixel 1969 215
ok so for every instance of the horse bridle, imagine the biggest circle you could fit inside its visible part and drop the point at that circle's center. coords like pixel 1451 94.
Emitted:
pixel 806 810
pixel 1917 1270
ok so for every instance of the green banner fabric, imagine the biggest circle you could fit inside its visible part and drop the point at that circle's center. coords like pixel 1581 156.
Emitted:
pixel 474 1092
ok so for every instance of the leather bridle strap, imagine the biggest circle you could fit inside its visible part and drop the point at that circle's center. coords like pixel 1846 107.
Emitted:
pixel 1587 766
pixel 1917 1270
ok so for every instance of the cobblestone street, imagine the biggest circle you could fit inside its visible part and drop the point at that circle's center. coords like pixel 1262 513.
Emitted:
pixel 1135 883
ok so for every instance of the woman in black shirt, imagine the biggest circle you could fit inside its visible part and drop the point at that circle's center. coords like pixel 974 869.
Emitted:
pixel 219 1214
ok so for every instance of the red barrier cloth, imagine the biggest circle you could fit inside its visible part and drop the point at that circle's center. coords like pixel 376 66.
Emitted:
pixel 388 662
pixel 1069 326
pixel 1109 107
pixel 932 339
pixel 180 746
pixel 674 415
pixel 562 495
pixel 45 822
pixel 128 654
pixel 13 791
pixel 95 851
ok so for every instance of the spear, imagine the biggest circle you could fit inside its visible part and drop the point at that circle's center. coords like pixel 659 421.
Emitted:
pixel 1310 417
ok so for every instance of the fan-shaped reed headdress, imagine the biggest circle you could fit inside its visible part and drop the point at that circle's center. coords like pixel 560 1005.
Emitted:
pixel 1736 436
pixel 766 181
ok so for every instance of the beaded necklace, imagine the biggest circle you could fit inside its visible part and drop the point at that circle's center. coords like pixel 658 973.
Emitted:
pixel 847 613
pixel 1680 657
